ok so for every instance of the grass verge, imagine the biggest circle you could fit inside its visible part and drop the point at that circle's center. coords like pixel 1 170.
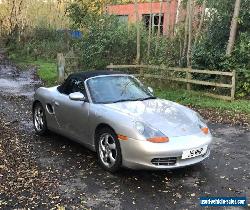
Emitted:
pixel 194 98
pixel 46 69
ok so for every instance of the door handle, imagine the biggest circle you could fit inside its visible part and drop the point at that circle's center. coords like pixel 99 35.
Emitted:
pixel 56 103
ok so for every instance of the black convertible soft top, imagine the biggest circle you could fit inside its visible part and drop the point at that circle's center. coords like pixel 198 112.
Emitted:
pixel 88 74
pixel 84 76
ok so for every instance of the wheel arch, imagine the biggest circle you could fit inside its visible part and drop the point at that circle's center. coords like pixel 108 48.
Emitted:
pixel 34 103
pixel 99 127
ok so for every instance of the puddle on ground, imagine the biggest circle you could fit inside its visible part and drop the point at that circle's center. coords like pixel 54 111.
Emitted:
pixel 19 84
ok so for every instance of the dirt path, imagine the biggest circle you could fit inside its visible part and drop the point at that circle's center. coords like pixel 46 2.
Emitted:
pixel 53 172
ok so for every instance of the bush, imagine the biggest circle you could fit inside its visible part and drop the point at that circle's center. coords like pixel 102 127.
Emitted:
pixel 40 42
pixel 209 52
pixel 241 63
pixel 110 41
pixel 105 42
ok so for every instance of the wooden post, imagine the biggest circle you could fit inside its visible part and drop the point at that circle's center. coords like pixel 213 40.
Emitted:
pixel 111 69
pixel 233 86
pixel 141 71
pixel 188 77
pixel 35 53
pixel 60 67
pixel 162 79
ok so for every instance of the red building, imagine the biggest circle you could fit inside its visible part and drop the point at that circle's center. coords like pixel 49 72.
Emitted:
pixel 126 12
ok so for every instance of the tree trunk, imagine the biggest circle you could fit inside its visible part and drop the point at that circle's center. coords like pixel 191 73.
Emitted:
pixel 180 52
pixel 138 47
pixel 201 21
pixel 185 32
pixel 168 18
pixel 177 12
pixel 233 29
pixel 158 30
pixel 149 31
pixel 190 21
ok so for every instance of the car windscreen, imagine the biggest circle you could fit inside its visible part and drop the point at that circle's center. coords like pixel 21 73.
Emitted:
pixel 112 89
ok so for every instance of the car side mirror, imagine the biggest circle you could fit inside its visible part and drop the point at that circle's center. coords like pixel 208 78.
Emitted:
pixel 150 90
pixel 77 96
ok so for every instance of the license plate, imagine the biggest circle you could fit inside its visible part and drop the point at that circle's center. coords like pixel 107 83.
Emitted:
pixel 194 152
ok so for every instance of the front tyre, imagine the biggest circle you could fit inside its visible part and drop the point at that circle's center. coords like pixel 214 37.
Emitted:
pixel 39 119
pixel 108 150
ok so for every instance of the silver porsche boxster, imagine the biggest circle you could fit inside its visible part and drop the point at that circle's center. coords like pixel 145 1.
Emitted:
pixel 115 115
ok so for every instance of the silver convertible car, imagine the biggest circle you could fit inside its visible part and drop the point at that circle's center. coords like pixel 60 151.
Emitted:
pixel 115 115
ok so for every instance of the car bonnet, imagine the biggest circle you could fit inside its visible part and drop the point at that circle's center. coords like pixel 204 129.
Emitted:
pixel 170 118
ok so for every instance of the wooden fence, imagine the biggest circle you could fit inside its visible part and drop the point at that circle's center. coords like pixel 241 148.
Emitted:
pixel 161 75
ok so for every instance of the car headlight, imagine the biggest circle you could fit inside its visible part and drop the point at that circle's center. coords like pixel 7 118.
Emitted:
pixel 201 119
pixel 140 127
pixel 202 124
pixel 151 134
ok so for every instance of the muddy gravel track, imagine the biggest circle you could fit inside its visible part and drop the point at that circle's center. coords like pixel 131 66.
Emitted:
pixel 53 172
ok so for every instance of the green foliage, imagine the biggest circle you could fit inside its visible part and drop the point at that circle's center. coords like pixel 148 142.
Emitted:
pixel 241 62
pixel 47 71
pixel 77 13
pixel 106 41
pixel 209 52
pixel 40 42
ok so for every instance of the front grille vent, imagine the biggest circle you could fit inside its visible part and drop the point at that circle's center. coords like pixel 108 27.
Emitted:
pixel 167 161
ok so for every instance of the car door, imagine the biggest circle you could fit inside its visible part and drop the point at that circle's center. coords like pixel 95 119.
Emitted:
pixel 73 116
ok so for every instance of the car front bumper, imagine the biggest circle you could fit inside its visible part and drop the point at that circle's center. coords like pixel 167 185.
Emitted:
pixel 138 154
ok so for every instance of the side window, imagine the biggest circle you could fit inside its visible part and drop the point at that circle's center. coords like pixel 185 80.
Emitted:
pixel 78 86
pixel 74 85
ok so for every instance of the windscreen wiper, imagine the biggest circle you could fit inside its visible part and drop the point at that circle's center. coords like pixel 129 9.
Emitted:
pixel 122 100
pixel 136 99
pixel 147 98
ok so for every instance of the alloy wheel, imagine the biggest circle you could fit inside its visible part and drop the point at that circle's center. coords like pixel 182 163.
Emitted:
pixel 39 118
pixel 107 150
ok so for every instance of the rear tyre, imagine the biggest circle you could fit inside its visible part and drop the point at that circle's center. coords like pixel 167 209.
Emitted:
pixel 39 119
pixel 108 150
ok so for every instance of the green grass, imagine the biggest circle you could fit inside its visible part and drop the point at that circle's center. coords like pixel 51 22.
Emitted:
pixel 197 99
pixel 46 69
pixel 47 72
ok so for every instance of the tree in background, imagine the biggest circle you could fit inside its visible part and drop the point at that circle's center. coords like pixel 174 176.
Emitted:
pixel 190 33
pixel 233 30
pixel 81 12
pixel 168 16
pixel 149 31
pixel 19 15
pixel 186 31
pixel 138 41
pixel 158 28
pixel 204 4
